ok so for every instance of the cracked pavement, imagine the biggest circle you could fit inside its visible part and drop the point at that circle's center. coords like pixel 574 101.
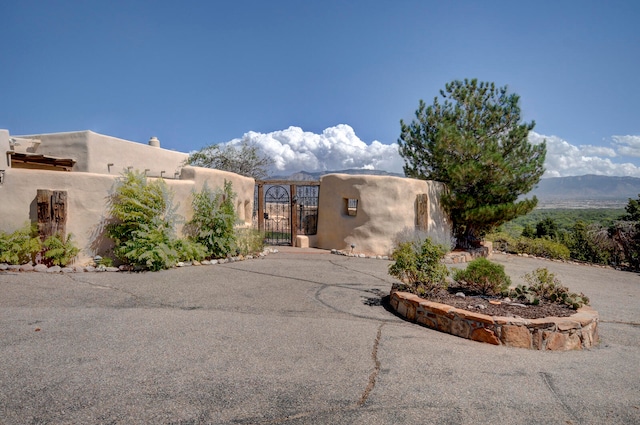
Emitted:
pixel 300 337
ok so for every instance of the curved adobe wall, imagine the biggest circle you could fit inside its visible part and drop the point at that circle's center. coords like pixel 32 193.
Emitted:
pixel 385 207
pixel 550 333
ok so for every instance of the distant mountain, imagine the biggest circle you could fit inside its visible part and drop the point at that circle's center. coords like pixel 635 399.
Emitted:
pixel 575 192
pixel 588 191
pixel 307 176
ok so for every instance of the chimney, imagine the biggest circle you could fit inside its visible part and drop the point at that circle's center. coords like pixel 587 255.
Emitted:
pixel 154 142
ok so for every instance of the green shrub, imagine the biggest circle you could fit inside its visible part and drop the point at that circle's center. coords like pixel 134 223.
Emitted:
pixel 419 266
pixel 502 241
pixel 21 246
pixel 189 250
pixel 542 248
pixel 144 231
pixel 105 261
pixel 546 286
pixel 249 241
pixel 58 251
pixel 482 276
pixel 214 218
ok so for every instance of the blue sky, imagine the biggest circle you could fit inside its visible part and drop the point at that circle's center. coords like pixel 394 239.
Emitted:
pixel 196 73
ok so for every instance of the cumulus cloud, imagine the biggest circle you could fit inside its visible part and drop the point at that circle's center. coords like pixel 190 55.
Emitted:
pixel 627 145
pixel 565 159
pixel 337 148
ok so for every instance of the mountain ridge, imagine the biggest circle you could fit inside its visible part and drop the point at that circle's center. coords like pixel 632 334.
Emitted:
pixel 586 191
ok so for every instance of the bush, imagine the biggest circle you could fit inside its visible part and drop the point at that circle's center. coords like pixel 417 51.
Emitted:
pixel 419 266
pixel 213 221
pixel 249 241
pixel 484 277
pixel 502 241
pixel 21 246
pixel 59 251
pixel 546 286
pixel 190 250
pixel 542 248
pixel 144 232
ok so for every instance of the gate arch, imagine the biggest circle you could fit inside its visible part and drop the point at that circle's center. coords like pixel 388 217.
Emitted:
pixel 284 209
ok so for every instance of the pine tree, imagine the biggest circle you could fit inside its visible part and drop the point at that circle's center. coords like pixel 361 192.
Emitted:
pixel 475 142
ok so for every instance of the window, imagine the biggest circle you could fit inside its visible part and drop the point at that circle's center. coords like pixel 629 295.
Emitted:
pixel 351 206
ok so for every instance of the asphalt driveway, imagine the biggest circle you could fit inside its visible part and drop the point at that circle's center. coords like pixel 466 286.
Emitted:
pixel 299 337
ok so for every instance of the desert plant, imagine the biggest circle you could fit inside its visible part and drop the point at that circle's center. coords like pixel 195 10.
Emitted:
pixel 249 241
pixel 21 246
pixel 523 293
pixel 420 267
pixel 502 241
pixel 145 217
pixel 545 285
pixel 542 248
pixel 190 250
pixel 213 220
pixel 59 251
pixel 482 276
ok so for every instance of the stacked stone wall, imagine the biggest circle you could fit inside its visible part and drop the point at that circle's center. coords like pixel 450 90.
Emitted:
pixel 575 332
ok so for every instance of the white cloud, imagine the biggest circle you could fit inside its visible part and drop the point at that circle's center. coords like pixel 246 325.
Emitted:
pixel 337 148
pixel 627 145
pixel 565 159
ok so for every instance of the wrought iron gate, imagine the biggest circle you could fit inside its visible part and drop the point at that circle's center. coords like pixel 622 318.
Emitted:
pixel 285 209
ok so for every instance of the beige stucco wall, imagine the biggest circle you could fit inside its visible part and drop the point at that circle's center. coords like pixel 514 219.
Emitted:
pixel 386 206
pixel 4 147
pixel 87 200
pixel 94 152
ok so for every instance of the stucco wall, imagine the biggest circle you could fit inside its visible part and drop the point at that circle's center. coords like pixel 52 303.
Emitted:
pixel 4 147
pixel 386 206
pixel 87 199
pixel 94 152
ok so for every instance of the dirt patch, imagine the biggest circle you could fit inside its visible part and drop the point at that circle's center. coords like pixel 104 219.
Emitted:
pixel 484 305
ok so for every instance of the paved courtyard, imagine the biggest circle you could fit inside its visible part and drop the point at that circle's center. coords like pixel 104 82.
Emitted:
pixel 299 337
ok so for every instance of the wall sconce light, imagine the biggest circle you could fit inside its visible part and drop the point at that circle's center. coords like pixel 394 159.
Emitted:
pixel 109 165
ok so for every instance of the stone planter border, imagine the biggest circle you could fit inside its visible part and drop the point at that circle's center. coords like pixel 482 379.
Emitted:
pixel 549 333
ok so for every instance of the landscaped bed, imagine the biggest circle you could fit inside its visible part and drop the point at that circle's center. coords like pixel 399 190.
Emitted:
pixel 574 332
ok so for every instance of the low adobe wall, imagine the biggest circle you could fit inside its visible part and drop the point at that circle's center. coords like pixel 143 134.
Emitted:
pixel 87 196
pixel 550 333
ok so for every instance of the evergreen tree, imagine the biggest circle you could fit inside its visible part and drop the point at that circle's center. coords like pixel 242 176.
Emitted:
pixel 547 228
pixel 475 142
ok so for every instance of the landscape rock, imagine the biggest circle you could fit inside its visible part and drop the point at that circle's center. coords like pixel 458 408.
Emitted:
pixel 28 267
pixel 54 269
pixel 40 268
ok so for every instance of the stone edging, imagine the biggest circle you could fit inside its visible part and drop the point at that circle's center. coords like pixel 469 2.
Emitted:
pixel 549 333
pixel 41 268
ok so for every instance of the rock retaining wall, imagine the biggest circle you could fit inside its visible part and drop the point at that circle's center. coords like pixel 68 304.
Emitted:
pixel 550 333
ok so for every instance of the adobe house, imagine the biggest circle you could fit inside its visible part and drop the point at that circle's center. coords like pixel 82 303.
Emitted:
pixel 367 212
pixel 86 165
